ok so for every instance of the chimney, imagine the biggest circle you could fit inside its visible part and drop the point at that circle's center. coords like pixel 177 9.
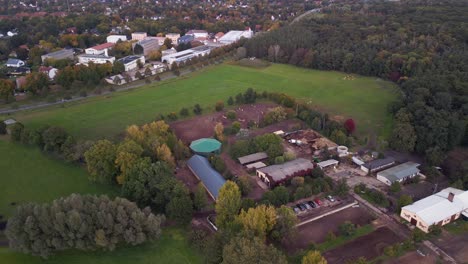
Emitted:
pixel 451 196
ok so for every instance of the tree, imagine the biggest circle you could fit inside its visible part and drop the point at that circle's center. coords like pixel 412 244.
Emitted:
pixel 282 195
pixel 199 197
pixel 139 76
pixel 404 200
pixel 285 222
pixel 258 221
pixel 341 188
pixel 53 138
pixel 219 131
pixel 338 137
pixel 241 53
pixel 395 187
pixel 128 154
pixel 100 161
pixel 350 126
pixel 251 251
pixel 36 82
pixel 228 204
pixel 140 64
pixel 244 184
pixel 313 257
pixel 168 43
pixel 219 106
pixel 164 153
pixel 7 89
pixel 230 101
pixel 3 130
pixel 297 181
pixel 15 131
pixel 197 109
pixel 180 207
pixel 184 112
pixel 80 222
pixel 138 49
pixel 249 96
pixel 148 71
pixel 347 229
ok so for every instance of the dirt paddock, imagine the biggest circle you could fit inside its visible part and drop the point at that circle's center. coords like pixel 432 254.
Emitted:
pixel 316 232
pixel 369 246
pixel 455 245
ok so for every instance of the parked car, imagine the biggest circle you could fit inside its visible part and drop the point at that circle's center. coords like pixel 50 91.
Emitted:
pixel 312 204
pixel 296 210
pixel 307 206
pixel 318 202
pixel 330 198
pixel 302 207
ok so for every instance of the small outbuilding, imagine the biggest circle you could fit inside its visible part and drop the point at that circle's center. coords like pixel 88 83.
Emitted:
pixel 211 179
pixel 259 156
pixel 206 146
pixel 378 164
pixel 256 165
pixel 331 162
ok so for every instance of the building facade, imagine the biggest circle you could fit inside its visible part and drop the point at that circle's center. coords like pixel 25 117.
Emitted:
pixel 174 37
pixel 96 59
pixel 139 35
pixel 148 45
pixel 102 49
pixel 131 62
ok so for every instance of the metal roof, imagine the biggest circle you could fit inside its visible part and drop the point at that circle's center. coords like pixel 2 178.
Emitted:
pixel 379 163
pixel 400 172
pixel 211 179
pixel 327 163
pixel 252 158
pixel 60 53
pixel 129 59
pixel 282 171
pixel 256 165
pixel 205 145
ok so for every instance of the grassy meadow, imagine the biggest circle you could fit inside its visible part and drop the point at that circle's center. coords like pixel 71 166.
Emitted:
pixel 363 98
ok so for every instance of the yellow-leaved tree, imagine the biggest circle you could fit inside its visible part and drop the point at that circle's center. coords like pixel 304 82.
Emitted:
pixel 258 221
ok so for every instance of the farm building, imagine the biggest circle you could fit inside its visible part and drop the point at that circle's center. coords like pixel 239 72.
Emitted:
pixel 399 173
pixel 206 146
pixel 259 156
pixel 438 209
pixel 378 164
pixel 211 179
pixel 331 162
pixel 309 141
pixel 279 174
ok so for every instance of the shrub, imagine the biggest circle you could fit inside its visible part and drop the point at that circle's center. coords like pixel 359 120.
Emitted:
pixel 184 112
pixel 15 131
pixel 230 101
pixel 279 160
pixel 347 229
pixel 231 115
pixel 235 128
pixel 244 184
pixel 3 130
pixel 219 106
pixel 197 109
pixel 297 181
pixel 172 116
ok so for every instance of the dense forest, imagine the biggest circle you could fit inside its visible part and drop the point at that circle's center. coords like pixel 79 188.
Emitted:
pixel 421 45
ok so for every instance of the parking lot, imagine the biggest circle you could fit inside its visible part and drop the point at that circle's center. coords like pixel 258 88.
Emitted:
pixel 314 206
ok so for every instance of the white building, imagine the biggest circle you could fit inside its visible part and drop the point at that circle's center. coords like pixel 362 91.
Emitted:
pixel 198 33
pixel 102 49
pixel 185 55
pixel 139 35
pixel 174 37
pixel 399 173
pixel 331 162
pixel 15 63
pixel 116 38
pixel 131 62
pixel 438 209
pixel 235 35
pixel 96 59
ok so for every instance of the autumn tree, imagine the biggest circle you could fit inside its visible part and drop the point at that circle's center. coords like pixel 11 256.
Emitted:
pixel 286 221
pixel 100 160
pixel 180 207
pixel 53 138
pixel 128 153
pixel 251 251
pixel 350 126
pixel 163 153
pixel 258 221
pixel 7 89
pixel 338 137
pixel 36 83
pixel 228 204
pixel 313 257
pixel 219 131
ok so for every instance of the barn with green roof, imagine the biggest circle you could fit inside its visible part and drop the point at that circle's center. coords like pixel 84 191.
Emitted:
pixel 206 146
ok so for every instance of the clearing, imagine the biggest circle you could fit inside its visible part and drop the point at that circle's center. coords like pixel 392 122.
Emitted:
pixel 364 98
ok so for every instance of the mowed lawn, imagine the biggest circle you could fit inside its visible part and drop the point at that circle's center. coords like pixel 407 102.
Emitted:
pixel 171 248
pixel 27 175
pixel 364 98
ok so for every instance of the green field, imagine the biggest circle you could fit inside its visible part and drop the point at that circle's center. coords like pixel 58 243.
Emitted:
pixel 364 98
pixel 172 248
pixel 27 174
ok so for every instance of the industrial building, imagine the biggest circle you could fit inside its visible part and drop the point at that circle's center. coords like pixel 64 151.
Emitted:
pixel 148 45
pixel 399 173
pixel 185 55
pixel 278 174
pixel 438 209
pixel 235 35
pixel 174 37
pixel 210 178
pixel 139 35
pixel 116 38
pixel 59 55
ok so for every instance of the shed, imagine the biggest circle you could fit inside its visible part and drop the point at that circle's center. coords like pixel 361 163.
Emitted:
pixel 377 164
pixel 326 163
pixel 399 173
pixel 206 146
pixel 211 179
pixel 252 158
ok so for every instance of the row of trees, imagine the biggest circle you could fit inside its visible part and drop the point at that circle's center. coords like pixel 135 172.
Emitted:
pixel 81 222
pixel 386 40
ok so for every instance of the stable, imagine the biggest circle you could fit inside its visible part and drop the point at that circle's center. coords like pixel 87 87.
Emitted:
pixel 259 156
pixel 206 146
pixel 378 164
pixel 438 209
pixel 399 173
pixel 278 174
pixel 211 179
pixel 327 163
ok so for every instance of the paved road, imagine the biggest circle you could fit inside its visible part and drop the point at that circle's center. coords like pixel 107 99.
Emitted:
pixel 78 98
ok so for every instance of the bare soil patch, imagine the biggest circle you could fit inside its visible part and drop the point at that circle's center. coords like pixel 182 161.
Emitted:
pixel 413 257
pixel 316 232
pixel 455 245
pixel 369 246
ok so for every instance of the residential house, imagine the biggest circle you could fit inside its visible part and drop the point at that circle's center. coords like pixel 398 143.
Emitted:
pixel 399 173
pixel 438 209
pixel 102 49
pixel 131 62
pixel 15 63
pixel 279 174
pixel 59 55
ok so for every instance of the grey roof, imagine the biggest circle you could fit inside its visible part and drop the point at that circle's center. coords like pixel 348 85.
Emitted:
pixel 98 56
pixel 252 158
pixel 13 61
pixel 282 171
pixel 129 59
pixel 212 180
pixel 400 172
pixel 379 163
pixel 60 53
pixel 147 41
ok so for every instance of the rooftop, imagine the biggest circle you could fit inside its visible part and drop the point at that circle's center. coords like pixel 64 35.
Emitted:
pixel 327 163
pixel 103 46
pixel 437 207
pixel 252 158
pixel 13 61
pixel 401 171
pixel 379 163
pixel 100 56
pixel 129 59
pixel 282 171
pixel 212 180
pixel 62 52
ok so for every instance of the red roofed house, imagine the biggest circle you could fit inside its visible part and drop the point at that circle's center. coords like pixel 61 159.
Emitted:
pixel 102 49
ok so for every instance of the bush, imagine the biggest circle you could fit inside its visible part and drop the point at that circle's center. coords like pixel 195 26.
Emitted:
pixel 244 184
pixel 297 181
pixel 347 229
pixel 231 115
pixel 184 112
pixel 218 163
pixel 15 131
pixel 197 109
pixel 230 101
pixel 3 130
pixel 279 160
pixel 235 127
pixel 219 106
pixel 172 116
